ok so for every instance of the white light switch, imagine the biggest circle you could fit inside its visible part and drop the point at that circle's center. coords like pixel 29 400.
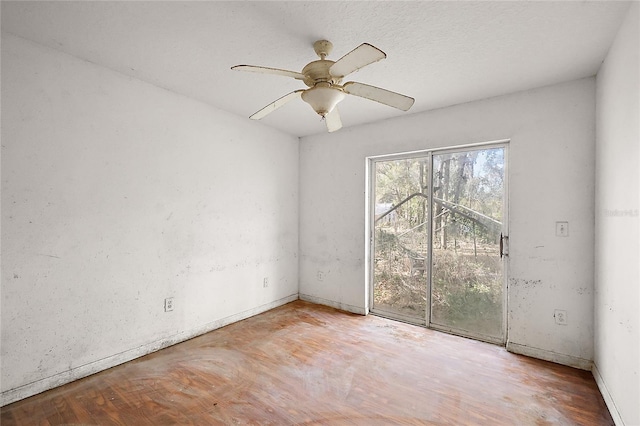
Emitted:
pixel 562 229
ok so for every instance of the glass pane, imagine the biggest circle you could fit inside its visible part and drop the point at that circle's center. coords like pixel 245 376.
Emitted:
pixel 401 212
pixel 467 281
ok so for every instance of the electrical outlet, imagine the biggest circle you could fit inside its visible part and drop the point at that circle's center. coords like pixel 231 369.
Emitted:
pixel 265 282
pixel 320 275
pixel 562 229
pixel 560 316
pixel 168 304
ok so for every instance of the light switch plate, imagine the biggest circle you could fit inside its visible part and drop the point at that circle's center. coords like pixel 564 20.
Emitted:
pixel 562 229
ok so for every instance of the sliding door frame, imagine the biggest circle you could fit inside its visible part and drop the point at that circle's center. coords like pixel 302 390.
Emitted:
pixel 370 235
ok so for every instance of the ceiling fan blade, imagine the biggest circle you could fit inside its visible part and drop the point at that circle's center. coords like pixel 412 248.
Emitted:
pixel 277 104
pixel 359 57
pixel 332 120
pixel 377 94
pixel 265 70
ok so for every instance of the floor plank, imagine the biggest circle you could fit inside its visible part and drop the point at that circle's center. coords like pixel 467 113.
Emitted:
pixel 308 364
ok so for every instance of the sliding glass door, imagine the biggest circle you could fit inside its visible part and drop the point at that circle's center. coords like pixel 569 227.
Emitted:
pixel 439 227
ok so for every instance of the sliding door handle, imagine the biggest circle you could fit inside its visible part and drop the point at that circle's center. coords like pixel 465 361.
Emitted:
pixel 502 245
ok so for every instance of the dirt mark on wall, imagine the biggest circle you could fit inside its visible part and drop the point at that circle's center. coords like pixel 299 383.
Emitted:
pixel 524 283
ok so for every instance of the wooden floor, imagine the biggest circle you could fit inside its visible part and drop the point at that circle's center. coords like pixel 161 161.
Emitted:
pixel 307 364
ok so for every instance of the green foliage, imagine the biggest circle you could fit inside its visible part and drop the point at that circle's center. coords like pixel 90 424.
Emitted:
pixel 397 180
pixel 467 291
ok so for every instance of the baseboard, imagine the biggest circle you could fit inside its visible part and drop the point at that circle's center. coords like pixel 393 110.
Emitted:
pixel 558 358
pixel 611 405
pixel 338 305
pixel 33 388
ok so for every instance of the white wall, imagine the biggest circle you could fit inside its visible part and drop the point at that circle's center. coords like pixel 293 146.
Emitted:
pixel 551 178
pixel 617 254
pixel 117 194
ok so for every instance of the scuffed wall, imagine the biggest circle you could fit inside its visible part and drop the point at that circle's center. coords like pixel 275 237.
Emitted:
pixel 116 195
pixel 617 248
pixel 551 178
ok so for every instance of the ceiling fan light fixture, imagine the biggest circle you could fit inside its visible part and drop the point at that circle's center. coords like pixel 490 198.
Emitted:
pixel 323 99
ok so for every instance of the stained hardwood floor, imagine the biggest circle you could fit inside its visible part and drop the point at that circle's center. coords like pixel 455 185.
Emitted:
pixel 308 364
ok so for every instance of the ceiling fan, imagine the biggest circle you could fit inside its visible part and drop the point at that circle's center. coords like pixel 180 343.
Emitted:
pixel 324 79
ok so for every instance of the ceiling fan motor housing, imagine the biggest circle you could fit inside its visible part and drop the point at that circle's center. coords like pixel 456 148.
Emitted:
pixel 318 71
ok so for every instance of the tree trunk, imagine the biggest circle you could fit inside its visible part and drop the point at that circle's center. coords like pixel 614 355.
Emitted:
pixel 445 175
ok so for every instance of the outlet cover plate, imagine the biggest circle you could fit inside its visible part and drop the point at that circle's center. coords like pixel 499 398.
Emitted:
pixel 168 304
pixel 560 316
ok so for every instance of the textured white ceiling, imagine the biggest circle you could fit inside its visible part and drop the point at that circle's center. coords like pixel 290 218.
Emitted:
pixel 441 53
